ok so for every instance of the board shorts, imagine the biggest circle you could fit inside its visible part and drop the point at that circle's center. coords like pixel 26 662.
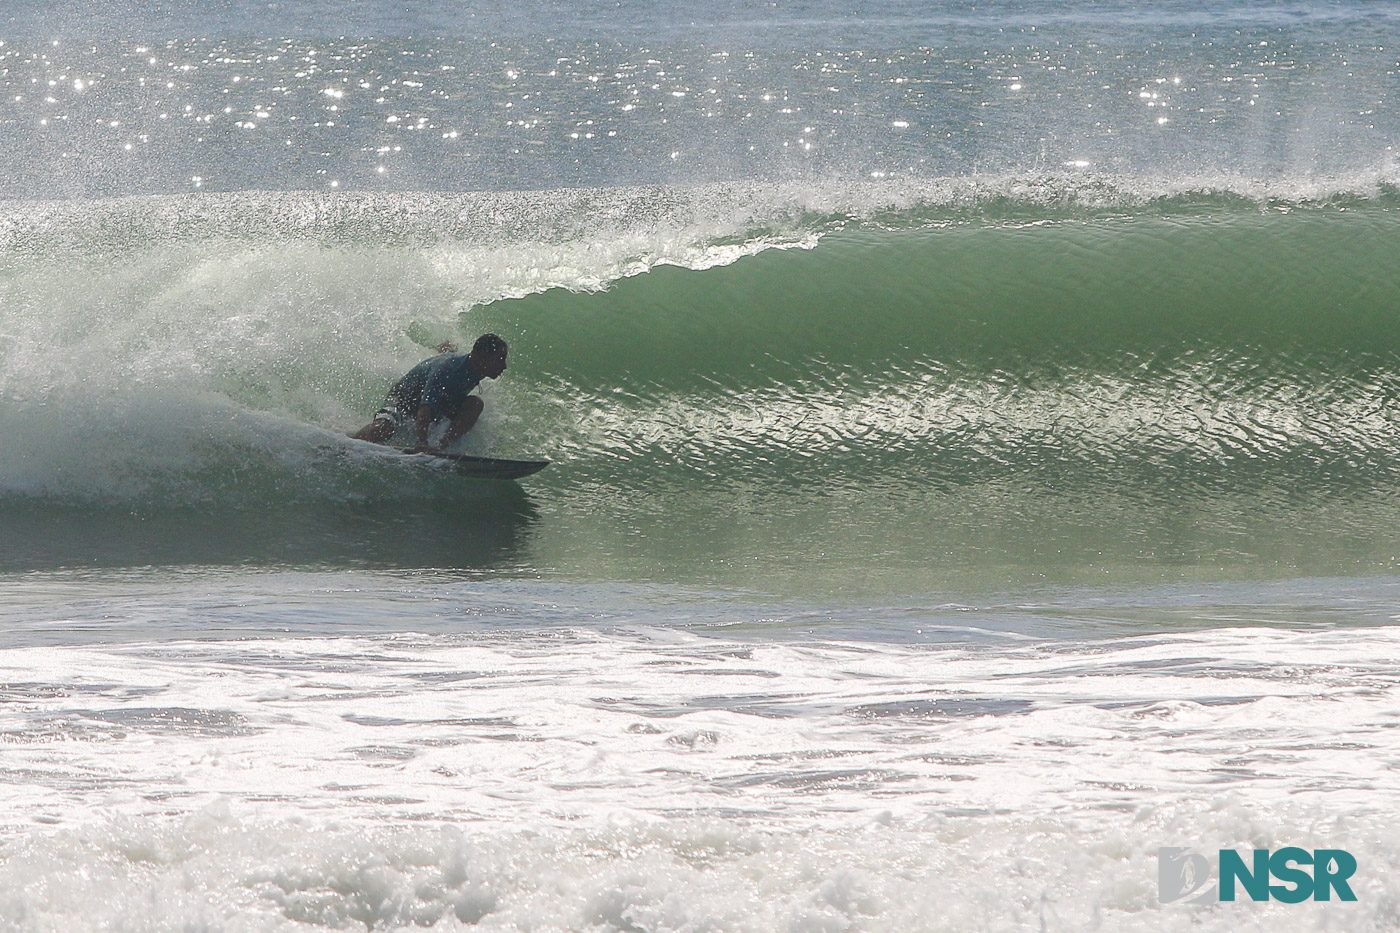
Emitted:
pixel 398 417
pixel 395 417
pixel 400 405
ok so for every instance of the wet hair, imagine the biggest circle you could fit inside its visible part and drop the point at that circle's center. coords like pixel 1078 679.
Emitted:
pixel 490 346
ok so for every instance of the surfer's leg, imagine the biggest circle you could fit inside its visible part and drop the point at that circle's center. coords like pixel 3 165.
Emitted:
pixel 376 432
pixel 466 418
pixel 381 429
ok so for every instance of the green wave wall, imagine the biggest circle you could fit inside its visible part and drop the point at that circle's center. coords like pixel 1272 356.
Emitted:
pixel 973 392
pixel 983 295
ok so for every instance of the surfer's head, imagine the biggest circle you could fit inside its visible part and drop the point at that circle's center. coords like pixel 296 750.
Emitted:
pixel 488 356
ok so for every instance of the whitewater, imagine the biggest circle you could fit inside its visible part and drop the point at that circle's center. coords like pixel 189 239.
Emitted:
pixel 974 464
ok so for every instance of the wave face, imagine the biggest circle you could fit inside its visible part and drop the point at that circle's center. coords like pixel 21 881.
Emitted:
pixel 1037 370
pixel 1123 352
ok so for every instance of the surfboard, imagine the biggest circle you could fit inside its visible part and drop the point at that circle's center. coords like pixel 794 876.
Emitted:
pixel 486 467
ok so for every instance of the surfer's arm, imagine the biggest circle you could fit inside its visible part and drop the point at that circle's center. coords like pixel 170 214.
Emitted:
pixel 421 423
pixel 466 418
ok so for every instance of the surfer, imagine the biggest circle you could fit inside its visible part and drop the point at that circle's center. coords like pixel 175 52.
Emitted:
pixel 436 390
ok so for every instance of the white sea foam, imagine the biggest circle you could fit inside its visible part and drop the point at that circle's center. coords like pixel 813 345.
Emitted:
pixel 219 870
pixel 629 778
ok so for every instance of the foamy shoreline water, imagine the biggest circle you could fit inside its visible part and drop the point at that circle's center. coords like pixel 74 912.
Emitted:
pixel 571 778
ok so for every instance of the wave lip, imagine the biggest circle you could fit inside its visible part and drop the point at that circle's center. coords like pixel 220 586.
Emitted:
pixel 725 213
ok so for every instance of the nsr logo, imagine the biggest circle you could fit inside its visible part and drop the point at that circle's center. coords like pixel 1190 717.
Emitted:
pixel 1185 877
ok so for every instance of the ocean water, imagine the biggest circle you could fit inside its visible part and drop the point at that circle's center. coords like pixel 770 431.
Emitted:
pixel 976 463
